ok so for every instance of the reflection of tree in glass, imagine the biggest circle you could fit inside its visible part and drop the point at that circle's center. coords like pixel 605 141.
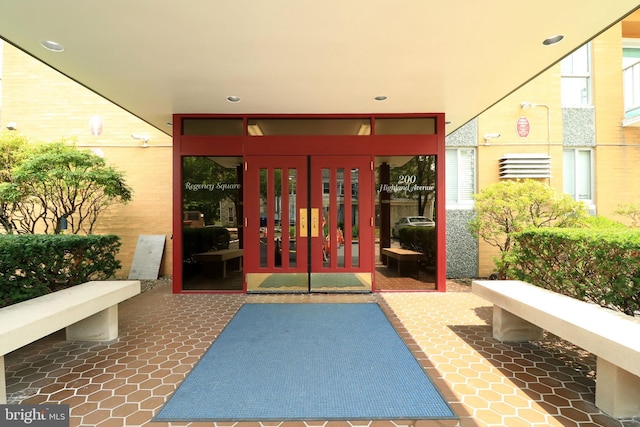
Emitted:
pixel 275 185
pixel 205 171
pixel 422 189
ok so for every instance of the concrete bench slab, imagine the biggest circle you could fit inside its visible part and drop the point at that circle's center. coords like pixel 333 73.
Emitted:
pixel 522 311
pixel 89 312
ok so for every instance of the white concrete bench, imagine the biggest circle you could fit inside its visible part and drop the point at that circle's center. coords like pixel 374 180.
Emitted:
pixel 521 312
pixel 89 312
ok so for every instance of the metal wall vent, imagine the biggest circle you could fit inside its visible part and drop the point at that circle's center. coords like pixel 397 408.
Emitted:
pixel 525 165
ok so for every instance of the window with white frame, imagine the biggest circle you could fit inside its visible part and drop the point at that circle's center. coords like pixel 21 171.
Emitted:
pixel 577 173
pixel 461 176
pixel 576 77
pixel 631 76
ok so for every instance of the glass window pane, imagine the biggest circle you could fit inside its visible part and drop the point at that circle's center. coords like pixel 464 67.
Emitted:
pixel 577 174
pixel 319 126
pixel 340 184
pixel 467 175
pixel 210 196
pixel 326 217
pixel 583 167
pixel 461 175
pixel 577 63
pixel 409 126
pixel 576 77
pixel 264 186
pixel 293 224
pixel 355 219
pixel 412 190
pixel 452 176
pixel 575 91
pixel 568 173
pixel 218 127
pixel 276 217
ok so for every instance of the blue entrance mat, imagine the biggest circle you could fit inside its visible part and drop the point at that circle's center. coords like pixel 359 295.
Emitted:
pixel 307 362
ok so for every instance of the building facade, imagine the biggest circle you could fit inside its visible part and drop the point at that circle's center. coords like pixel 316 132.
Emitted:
pixel 44 105
pixel 575 126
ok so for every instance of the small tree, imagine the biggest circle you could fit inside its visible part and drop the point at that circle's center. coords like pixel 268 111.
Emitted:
pixel 57 181
pixel 631 211
pixel 12 150
pixel 513 206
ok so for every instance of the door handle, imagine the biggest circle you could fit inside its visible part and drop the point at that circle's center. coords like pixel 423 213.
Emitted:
pixel 315 222
pixel 304 232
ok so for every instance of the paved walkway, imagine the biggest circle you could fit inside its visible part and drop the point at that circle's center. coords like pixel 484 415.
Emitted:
pixel 163 335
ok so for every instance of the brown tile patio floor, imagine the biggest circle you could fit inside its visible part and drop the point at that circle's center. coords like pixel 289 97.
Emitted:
pixel 162 336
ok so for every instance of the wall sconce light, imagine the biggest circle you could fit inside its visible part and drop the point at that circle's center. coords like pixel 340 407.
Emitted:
pixel 525 105
pixel 141 137
pixel 488 136
pixel 12 126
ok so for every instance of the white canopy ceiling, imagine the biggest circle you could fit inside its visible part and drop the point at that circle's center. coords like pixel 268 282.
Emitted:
pixel 156 58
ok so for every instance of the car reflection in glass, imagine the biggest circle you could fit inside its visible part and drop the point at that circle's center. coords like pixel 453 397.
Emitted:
pixel 411 221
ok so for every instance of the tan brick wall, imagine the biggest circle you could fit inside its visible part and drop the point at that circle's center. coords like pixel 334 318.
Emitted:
pixel 542 138
pixel 618 150
pixel 607 86
pixel 47 106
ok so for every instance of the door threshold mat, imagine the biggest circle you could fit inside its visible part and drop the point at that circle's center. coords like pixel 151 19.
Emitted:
pixel 307 362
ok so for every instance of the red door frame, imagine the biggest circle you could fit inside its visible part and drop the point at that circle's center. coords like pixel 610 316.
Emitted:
pixel 252 206
pixel 245 145
pixel 366 212
pixel 308 190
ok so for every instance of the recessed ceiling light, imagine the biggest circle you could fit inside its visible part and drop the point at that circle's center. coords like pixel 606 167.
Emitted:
pixel 233 98
pixel 380 98
pixel 553 40
pixel 52 46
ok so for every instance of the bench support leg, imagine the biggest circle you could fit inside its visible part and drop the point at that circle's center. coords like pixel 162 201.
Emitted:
pixel 617 391
pixel 509 327
pixel 102 326
pixel 407 268
pixel 3 383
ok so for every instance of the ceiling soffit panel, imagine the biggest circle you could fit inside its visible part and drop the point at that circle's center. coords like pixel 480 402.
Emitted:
pixel 155 59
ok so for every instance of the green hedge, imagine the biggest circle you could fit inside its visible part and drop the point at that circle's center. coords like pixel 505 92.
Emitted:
pixel 597 265
pixel 36 264
pixel 204 239
pixel 420 239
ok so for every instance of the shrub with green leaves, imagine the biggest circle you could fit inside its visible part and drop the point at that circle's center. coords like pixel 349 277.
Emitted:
pixel 420 239
pixel 43 185
pixel 204 239
pixel 602 222
pixel 509 207
pixel 631 211
pixel 599 265
pixel 32 265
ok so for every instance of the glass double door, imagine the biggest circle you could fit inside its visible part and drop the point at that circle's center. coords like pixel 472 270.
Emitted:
pixel 309 224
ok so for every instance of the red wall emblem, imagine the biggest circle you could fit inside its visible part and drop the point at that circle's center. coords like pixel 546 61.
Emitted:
pixel 523 127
